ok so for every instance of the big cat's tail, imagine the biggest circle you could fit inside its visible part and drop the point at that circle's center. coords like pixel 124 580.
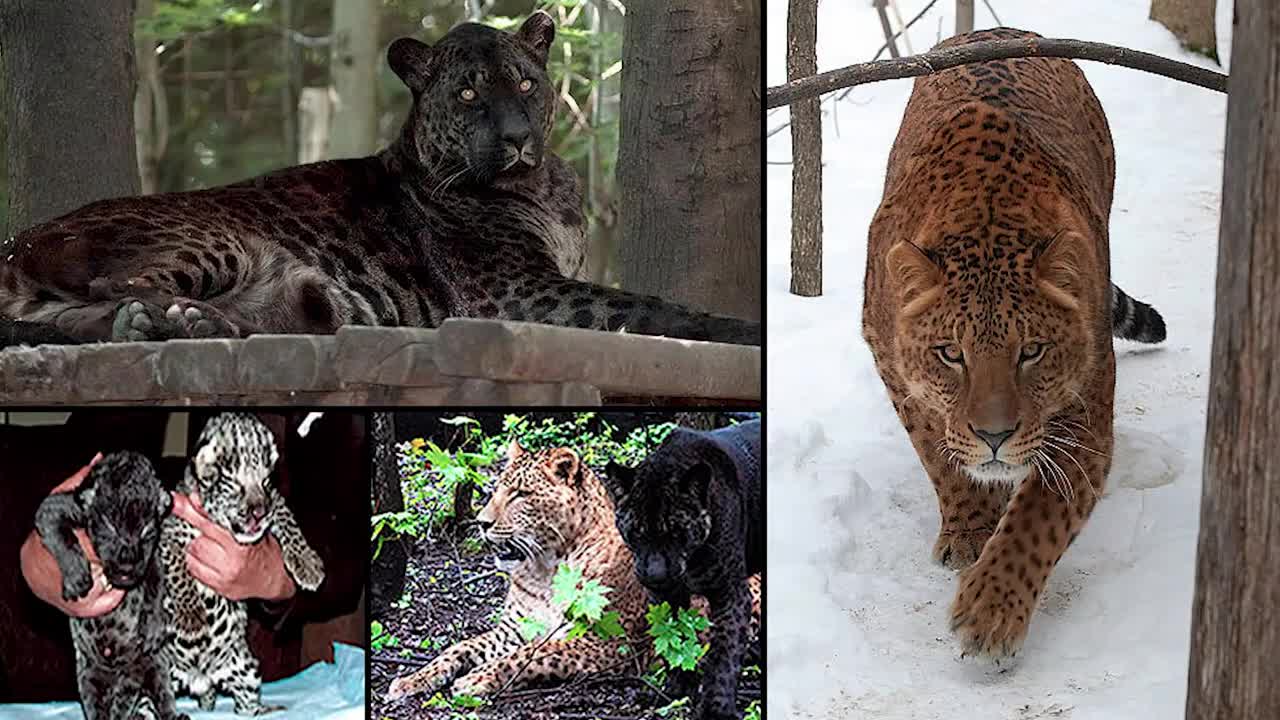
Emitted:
pixel 19 332
pixel 1133 319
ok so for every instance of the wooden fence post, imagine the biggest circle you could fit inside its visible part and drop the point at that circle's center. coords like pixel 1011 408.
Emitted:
pixel 1235 626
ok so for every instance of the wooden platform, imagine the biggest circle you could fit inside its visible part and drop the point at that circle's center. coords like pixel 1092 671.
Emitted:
pixel 464 363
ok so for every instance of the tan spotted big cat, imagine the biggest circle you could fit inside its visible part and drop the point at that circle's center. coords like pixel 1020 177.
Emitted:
pixel 548 508
pixel 990 311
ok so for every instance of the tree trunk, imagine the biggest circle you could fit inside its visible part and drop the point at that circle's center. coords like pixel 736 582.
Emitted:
pixel 806 152
pixel 315 118
pixel 602 195
pixel 386 577
pixel 68 87
pixel 353 65
pixel 689 154
pixel 150 107
pixel 1191 21
pixel 1235 636
pixel 964 16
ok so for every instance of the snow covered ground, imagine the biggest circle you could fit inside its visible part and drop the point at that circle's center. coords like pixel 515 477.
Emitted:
pixel 857 610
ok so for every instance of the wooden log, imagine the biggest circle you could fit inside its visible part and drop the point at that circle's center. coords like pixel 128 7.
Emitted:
pixel 635 364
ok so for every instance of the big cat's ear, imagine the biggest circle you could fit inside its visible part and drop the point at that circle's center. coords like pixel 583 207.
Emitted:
pixel 1061 264
pixel 205 457
pixel 618 479
pixel 514 451
pixel 565 465
pixel 915 278
pixel 696 482
pixel 164 502
pixel 537 33
pixel 412 61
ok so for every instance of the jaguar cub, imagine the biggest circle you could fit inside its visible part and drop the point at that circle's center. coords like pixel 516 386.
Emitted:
pixel 465 214
pixel 693 515
pixel 230 470
pixel 121 670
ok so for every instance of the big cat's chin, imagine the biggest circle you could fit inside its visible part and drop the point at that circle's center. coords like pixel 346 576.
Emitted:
pixel 997 472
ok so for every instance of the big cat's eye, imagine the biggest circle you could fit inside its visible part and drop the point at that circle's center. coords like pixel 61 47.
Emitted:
pixel 950 353
pixel 467 94
pixel 1031 352
pixel 525 85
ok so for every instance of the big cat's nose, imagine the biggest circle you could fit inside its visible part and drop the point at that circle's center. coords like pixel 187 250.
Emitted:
pixel 515 136
pixel 993 439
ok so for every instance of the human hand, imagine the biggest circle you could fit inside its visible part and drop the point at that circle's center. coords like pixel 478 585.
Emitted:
pixel 41 572
pixel 234 571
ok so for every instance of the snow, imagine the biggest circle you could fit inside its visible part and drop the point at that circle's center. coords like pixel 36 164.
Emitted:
pixel 857 609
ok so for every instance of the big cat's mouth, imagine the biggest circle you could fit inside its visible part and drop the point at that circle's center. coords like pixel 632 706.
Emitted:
pixel 123 580
pixel 508 552
pixel 997 471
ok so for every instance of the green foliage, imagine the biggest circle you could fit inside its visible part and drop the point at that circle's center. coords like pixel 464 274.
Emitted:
pixel 431 475
pixel 595 448
pixel 461 705
pixel 584 603
pixel 173 18
pixel 380 637
pixel 753 711
pixel 675 708
pixel 675 638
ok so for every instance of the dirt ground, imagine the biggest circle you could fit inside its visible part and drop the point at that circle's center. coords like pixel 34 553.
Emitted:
pixel 455 595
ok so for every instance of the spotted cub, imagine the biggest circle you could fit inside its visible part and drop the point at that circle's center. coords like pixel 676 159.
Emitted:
pixel 121 670
pixel 230 471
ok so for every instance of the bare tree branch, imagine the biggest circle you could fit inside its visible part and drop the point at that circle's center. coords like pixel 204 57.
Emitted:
pixel 946 58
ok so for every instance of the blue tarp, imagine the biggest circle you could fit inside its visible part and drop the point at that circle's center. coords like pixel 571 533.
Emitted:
pixel 325 691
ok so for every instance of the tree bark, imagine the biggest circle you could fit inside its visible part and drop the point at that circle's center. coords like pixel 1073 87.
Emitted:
pixel 806 152
pixel 946 58
pixel 353 65
pixel 1191 21
pixel 1235 635
pixel 689 154
pixel 68 86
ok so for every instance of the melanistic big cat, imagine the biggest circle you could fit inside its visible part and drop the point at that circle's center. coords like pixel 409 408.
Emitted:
pixel 468 213
pixel 120 669
pixel 693 515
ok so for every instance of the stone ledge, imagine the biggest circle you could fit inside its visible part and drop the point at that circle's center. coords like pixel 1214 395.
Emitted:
pixel 465 362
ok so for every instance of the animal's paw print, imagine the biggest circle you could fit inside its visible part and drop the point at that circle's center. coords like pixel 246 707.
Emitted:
pixel 958 549
pixel 990 615
pixel 76 583
pixel 304 566
pixel 475 684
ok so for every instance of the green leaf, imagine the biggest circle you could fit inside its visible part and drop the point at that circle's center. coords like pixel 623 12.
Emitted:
pixel 564 586
pixel 590 601
pixel 610 625
pixel 531 628
pixel 460 420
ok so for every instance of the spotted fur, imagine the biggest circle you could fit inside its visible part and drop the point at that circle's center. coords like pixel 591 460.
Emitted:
pixel 548 508
pixel 692 514
pixel 989 311
pixel 121 671
pixel 230 470
pixel 464 215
